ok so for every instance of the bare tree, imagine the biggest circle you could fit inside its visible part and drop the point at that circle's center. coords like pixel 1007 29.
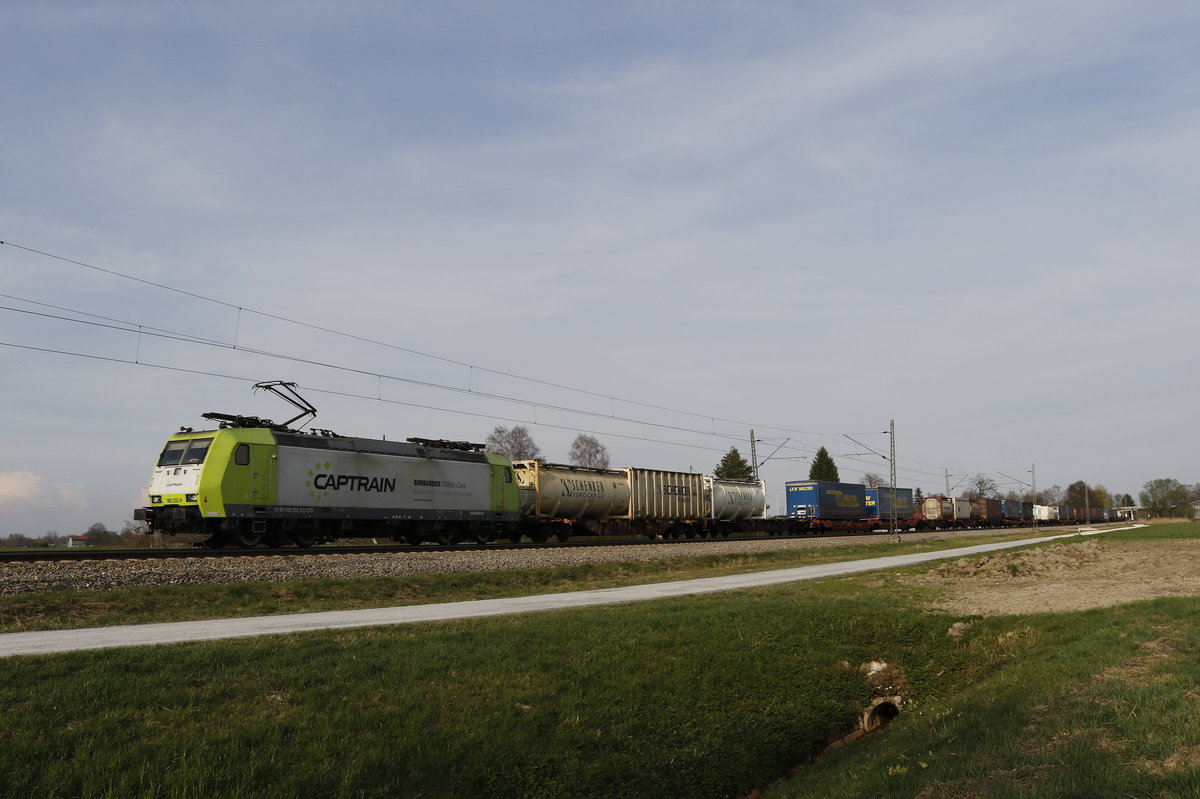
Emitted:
pixel 1050 496
pixel 515 443
pixel 588 452
pixel 872 480
pixel 981 487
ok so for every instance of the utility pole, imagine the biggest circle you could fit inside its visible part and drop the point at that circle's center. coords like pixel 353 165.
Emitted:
pixel 892 483
pixel 754 453
pixel 1033 492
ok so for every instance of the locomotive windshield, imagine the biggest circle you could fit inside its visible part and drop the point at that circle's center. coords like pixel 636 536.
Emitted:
pixel 184 452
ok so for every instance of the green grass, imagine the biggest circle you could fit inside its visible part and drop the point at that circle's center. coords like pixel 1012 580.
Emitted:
pixel 70 608
pixel 1095 704
pixel 706 696
pixel 694 697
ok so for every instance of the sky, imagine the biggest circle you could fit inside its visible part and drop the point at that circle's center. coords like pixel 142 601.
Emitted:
pixel 663 224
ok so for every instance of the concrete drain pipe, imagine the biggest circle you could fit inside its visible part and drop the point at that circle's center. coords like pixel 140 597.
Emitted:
pixel 880 714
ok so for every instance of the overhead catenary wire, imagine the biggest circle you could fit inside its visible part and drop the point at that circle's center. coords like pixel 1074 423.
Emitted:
pixel 334 392
pixel 376 342
pixel 142 330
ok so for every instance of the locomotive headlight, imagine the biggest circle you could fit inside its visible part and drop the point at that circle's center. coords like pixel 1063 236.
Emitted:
pixel 191 497
pixel 155 500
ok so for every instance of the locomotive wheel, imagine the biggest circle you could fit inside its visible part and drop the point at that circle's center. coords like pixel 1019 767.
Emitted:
pixel 247 536
pixel 446 537
pixel 482 534
pixel 305 538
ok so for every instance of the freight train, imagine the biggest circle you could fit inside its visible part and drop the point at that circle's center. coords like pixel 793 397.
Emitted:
pixel 251 481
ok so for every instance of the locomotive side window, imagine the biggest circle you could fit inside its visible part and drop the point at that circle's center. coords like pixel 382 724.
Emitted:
pixel 507 475
pixel 241 455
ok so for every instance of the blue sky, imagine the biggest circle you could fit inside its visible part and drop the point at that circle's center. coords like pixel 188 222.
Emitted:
pixel 686 220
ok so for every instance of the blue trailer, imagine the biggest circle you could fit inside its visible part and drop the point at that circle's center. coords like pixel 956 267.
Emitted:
pixel 818 499
pixel 880 502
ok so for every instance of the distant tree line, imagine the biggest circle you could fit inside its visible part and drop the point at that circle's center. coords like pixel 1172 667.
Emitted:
pixel 132 534
pixel 1164 497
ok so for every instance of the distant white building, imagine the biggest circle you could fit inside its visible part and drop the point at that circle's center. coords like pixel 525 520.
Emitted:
pixel 79 541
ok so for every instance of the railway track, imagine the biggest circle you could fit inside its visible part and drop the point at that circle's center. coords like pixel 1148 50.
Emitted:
pixel 202 552
pixel 90 570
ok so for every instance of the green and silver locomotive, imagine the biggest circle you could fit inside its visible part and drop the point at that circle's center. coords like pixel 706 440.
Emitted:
pixel 252 481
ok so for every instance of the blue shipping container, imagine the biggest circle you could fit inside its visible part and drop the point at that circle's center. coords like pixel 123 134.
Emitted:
pixel 816 499
pixel 880 502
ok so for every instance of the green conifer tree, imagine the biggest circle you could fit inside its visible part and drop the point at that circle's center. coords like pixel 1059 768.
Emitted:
pixel 734 467
pixel 823 467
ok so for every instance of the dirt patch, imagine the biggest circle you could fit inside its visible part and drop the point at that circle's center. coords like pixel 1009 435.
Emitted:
pixel 1021 779
pixel 1066 577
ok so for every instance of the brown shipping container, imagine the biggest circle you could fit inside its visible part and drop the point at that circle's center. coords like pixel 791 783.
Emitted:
pixel 667 495
pixel 991 509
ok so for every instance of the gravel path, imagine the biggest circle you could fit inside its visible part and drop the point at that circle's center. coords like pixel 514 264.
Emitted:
pixel 18 578
pixel 40 642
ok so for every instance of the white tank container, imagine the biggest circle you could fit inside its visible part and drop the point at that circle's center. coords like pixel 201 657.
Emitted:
pixel 1045 513
pixel 737 499
pixel 556 491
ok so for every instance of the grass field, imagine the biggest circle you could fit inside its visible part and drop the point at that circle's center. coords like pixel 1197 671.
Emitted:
pixel 706 696
pixel 64 609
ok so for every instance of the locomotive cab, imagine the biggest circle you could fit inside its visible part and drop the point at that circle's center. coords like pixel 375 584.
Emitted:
pixel 203 477
pixel 175 483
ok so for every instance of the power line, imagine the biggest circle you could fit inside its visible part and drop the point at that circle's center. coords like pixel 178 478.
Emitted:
pixel 365 340
pixel 129 327
pixel 348 394
pixel 142 330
